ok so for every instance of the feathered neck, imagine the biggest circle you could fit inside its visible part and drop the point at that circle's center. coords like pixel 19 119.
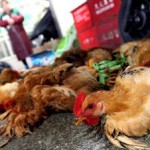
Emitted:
pixel 113 101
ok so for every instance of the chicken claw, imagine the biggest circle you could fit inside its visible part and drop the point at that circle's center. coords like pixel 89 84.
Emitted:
pixel 5 114
pixel 9 131
pixel 20 131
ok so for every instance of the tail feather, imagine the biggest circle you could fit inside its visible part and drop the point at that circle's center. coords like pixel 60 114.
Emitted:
pixel 131 143
pixel 114 140
pixel 123 141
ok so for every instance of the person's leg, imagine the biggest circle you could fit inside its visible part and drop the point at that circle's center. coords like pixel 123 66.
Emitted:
pixel 25 63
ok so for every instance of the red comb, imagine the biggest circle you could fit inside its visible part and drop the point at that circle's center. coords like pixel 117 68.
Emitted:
pixel 78 104
pixel 145 63
pixel 16 73
pixel 7 104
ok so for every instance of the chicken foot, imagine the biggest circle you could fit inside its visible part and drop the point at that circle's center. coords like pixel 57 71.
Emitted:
pixel 18 124
pixel 5 114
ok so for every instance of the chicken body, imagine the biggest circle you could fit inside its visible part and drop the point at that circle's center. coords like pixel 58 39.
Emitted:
pixel 137 52
pixel 125 108
pixel 129 102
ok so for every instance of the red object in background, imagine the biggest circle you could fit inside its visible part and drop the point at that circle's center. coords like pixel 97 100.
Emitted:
pixel 102 10
pixel 108 34
pixel 97 24
pixel 105 15
pixel 82 17
pixel 118 21
pixel 88 38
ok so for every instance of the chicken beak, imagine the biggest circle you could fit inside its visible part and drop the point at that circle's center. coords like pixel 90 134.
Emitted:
pixel 81 119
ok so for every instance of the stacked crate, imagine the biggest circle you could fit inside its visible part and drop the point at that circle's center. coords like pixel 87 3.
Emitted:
pixel 97 24
pixel 86 30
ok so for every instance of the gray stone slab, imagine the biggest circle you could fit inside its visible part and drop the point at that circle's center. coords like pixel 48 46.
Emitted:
pixel 58 132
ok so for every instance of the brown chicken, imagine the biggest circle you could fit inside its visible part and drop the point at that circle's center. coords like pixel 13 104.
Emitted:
pixel 38 92
pixel 137 52
pixel 125 110
pixel 9 82
pixel 11 79
pixel 8 76
pixel 75 56
pixel 97 55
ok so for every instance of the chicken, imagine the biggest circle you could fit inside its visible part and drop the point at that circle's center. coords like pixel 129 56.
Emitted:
pixel 7 91
pixel 8 76
pixel 97 55
pixel 9 82
pixel 38 93
pixel 80 57
pixel 137 52
pixel 124 110
pixel 11 79
pixel 74 56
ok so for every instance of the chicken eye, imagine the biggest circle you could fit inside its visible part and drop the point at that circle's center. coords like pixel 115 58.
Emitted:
pixel 90 106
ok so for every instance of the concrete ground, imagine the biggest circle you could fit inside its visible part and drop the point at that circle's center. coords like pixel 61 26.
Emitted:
pixel 58 132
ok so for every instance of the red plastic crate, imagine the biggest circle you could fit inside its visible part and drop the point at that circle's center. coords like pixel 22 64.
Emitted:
pixel 88 39
pixel 109 35
pixel 82 17
pixel 102 10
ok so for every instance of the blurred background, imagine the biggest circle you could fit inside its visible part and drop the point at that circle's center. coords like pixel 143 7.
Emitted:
pixel 44 21
pixel 54 26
